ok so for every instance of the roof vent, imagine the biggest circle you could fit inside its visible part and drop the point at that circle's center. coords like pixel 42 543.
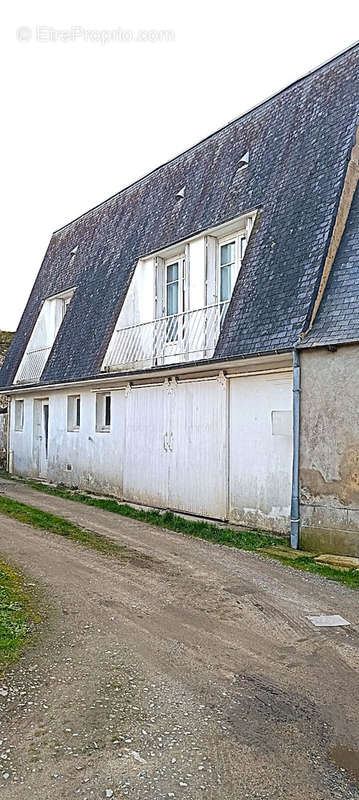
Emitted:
pixel 180 194
pixel 244 161
pixel 74 251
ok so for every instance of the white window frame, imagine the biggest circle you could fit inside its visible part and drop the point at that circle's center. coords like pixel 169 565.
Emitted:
pixel 240 240
pixel 179 259
pixel 72 403
pixel 19 415
pixel 101 426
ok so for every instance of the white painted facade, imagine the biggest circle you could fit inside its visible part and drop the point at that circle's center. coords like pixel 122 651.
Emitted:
pixel 203 445
pixel 209 440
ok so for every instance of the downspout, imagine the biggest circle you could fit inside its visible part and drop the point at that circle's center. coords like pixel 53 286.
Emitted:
pixel 294 521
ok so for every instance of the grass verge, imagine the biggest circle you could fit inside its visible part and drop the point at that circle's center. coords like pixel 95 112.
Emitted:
pixel 245 540
pixel 17 614
pixel 62 527
pixel 306 563
pixel 268 546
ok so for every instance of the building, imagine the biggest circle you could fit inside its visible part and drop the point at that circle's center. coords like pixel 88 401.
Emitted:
pixel 168 327
pixel 5 339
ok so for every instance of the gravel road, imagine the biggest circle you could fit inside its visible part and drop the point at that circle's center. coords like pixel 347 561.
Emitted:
pixel 193 674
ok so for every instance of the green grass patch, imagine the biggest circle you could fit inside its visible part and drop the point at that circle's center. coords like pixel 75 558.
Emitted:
pixel 245 540
pixel 52 524
pixel 17 614
pixel 347 577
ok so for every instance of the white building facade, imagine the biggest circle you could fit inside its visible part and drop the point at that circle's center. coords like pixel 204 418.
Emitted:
pixel 212 441
pixel 160 354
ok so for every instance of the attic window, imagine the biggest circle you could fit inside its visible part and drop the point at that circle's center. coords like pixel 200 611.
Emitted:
pixel 244 161
pixel 180 194
pixel 73 254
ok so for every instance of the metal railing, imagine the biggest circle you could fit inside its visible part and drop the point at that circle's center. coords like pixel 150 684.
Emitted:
pixel 188 336
pixel 32 365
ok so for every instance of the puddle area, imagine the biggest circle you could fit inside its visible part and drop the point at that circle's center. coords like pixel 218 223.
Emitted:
pixel 348 759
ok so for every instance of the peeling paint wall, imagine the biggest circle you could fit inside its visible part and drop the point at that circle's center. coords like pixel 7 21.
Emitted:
pixel 329 450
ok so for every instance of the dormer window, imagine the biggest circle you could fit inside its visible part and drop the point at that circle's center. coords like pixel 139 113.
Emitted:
pixel 43 336
pixel 178 299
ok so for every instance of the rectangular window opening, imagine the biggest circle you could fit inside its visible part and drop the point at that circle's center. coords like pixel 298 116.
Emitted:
pixel 107 411
pixel 73 412
pixel 172 300
pixel 103 412
pixel 19 415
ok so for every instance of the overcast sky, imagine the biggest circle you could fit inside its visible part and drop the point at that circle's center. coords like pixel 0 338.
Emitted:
pixel 89 106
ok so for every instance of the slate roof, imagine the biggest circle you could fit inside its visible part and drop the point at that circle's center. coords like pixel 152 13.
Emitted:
pixel 299 142
pixel 337 320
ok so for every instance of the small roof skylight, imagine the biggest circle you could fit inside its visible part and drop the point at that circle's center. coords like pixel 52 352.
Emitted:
pixel 244 161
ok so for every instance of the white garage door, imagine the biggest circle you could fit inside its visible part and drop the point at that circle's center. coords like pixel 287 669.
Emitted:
pixel 175 449
pixel 261 450
pixel 198 468
pixel 146 465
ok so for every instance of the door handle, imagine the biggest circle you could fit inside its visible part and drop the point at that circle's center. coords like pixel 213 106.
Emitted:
pixel 168 442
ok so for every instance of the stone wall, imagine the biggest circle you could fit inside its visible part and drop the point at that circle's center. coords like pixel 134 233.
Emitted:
pixel 329 450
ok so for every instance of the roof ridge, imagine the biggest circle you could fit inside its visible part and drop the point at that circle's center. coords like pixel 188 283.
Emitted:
pixel 266 100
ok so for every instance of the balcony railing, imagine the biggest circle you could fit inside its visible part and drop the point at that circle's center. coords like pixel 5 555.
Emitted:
pixel 188 336
pixel 32 365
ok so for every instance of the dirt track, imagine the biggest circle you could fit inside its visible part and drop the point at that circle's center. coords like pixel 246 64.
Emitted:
pixel 198 676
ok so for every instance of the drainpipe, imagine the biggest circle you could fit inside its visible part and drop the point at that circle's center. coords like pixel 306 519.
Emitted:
pixel 294 521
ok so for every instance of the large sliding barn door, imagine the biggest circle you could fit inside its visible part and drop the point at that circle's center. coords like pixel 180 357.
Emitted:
pixel 175 449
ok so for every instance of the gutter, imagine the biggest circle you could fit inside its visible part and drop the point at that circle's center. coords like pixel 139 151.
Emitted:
pixel 294 514
pixel 158 371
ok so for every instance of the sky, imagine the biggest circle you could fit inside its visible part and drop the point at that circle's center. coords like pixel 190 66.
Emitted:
pixel 96 94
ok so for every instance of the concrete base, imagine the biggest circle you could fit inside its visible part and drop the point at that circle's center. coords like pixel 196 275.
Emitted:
pixel 326 540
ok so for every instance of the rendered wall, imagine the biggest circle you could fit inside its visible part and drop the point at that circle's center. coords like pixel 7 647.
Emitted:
pixel 329 450
pixel 206 446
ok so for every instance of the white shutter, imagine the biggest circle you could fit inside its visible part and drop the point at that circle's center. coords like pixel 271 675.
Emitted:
pixel 160 300
pixel 211 271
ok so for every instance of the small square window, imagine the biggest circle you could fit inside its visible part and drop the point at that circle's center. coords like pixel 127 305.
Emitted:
pixel 103 412
pixel 73 412
pixel 19 415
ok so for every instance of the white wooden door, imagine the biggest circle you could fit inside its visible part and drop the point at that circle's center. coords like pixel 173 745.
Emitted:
pixel 198 442
pixel 146 463
pixel 261 450
pixel 175 449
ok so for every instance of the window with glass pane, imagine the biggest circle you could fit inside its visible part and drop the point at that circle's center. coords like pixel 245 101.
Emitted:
pixel 78 412
pixel 227 262
pixel 107 411
pixel 172 291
